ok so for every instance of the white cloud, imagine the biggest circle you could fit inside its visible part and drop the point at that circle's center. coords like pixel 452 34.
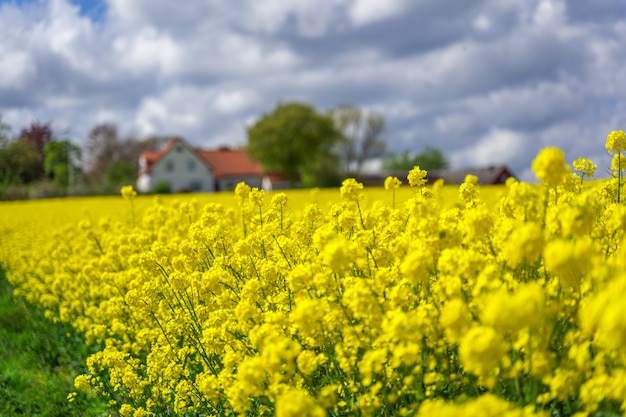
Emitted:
pixel 67 36
pixel 482 23
pixel 231 102
pixel 148 51
pixel 18 67
pixel 151 116
pixel 367 11
pixel 188 110
pixel 549 12
pixel 499 146
pixel 475 80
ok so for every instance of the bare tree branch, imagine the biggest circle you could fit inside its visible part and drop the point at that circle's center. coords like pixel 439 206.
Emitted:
pixel 361 137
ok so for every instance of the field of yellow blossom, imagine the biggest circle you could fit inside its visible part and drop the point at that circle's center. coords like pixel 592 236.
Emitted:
pixel 406 300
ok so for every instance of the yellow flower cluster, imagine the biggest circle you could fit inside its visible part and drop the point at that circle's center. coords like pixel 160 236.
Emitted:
pixel 359 308
pixel 128 192
pixel 550 166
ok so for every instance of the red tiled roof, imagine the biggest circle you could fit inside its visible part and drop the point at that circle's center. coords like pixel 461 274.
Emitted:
pixel 230 162
pixel 223 162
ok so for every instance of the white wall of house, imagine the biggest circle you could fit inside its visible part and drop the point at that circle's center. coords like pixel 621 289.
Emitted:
pixel 143 183
pixel 181 169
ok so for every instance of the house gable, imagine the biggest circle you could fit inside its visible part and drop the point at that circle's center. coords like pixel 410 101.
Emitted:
pixel 177 165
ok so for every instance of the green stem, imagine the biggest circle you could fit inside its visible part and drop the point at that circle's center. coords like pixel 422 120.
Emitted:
pixel 358 206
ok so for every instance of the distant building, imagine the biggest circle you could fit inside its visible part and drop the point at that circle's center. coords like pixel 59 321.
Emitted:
pixel 491 175
pixel 182 168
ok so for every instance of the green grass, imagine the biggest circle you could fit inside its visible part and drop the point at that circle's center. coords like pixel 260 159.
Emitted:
pixel 38 362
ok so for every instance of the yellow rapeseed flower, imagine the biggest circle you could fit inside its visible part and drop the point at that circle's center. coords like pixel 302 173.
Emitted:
pixel 308 361
pixel 585 166
pixel 618 162
pixel 524 244
pixel 481 350
pixel 256 196
pixel 455 319
pixel 471 179
pixel 297 403
pixel 616 141
pixel 549 166
pixel 392 183
pixel 242 190
pixel 128 192
pixel 417 177
pixel 569 260
pixel 351 190
pixel 511 312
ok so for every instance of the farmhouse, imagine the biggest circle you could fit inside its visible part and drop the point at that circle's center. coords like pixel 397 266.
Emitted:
pixel 182 168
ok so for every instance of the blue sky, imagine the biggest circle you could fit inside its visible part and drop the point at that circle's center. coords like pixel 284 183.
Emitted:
pixel 94 9
pixel 487 81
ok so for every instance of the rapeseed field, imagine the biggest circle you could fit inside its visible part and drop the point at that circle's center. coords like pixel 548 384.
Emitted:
pixel 411 300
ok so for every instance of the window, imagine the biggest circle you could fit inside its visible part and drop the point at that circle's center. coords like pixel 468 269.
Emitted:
pixel 179 148
pixel 169 166
pixel 191 165
pixel 195 186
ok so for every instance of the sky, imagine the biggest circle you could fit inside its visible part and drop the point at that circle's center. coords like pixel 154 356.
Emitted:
pixel 487 82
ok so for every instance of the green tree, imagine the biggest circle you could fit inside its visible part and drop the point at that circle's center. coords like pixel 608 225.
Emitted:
pixel 293 139
pixel 19 159
pixel 19 162
pixel 60 159
pixel 4 131
pixel 361 137
pixel 121 172
pixel 430 159
pixel 4 156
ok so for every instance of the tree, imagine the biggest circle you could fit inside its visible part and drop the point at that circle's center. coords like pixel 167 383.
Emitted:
pixel 113 161
pixel 38 134
pixel 430 159
pixel 293 139
pixel 103 148
pixel 361 137
pixel 4 155
pixel 19 162
pixel 121 172
pixel 35 154
pixel 60 163
pixel 4 131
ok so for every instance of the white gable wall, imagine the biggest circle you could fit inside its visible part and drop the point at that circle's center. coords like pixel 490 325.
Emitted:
pixel 182 169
